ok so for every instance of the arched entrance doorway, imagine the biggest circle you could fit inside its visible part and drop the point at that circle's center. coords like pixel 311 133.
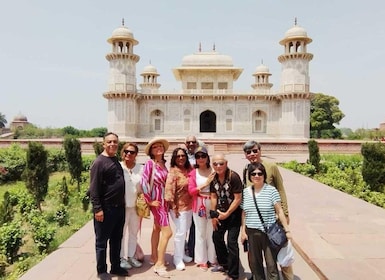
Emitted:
pixel 208 122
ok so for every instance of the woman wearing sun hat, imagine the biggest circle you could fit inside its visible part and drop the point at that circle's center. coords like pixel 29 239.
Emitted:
pixel 153 185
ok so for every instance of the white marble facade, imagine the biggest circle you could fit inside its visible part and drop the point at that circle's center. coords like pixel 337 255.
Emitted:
pixel 207 105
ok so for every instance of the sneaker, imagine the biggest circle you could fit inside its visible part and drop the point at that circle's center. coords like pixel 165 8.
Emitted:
pixel 180 266
pixel 125 264
pixel 134 262
pixel 104 276
pixel 187 259
pixel 119 272
pixel 218 268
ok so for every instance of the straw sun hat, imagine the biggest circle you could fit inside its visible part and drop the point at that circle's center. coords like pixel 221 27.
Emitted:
pixel 156 140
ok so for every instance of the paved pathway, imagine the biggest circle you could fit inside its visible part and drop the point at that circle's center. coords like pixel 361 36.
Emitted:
pixel 336 237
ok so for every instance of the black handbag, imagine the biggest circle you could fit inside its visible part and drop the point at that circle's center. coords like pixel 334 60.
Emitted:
pixel 275 232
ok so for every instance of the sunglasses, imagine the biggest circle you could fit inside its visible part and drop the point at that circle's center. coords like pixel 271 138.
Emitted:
pixel 219 163
pixel 198 156
pixel 129 152
pixel 255 151
pixel 180 156
pixel 254 174
pixel 191 142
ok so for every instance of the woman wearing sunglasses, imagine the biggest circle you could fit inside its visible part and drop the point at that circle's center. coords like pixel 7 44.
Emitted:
pixel 269 204
pixel 180 202
pixel 132 174
pixel 199 187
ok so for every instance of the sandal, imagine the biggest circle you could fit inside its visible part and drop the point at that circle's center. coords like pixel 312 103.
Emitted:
pixel 153 263
pixel 203 266
pixel 162 272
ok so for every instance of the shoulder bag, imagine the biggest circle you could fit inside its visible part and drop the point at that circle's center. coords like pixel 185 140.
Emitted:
pixel 141 206
pixel 275 232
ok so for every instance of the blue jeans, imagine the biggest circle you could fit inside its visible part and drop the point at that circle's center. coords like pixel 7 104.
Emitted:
pixel 228 255
pixel 111 229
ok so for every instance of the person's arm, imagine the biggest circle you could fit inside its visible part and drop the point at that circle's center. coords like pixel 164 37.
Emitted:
pixel 281 216
pixel 145 180
pixel 192 183
pixel 278 183
pixel 96 182
pixel 145 183
pixel 233 206
pixel 213 207
pixel 169 191
pixel 243 227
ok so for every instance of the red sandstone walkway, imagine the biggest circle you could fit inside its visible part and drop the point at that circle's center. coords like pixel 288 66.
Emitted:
pixel 340 236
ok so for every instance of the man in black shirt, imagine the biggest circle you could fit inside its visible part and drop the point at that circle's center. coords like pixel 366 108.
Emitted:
pixel 107 197
pixel 226 195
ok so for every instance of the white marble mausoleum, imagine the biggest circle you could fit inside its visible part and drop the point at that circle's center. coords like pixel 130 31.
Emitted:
pixel 208 104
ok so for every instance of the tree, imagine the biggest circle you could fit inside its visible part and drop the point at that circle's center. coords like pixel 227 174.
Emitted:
pixel 324 113
pixel 70 130
pixel 373 165
pixel 72 148
pixel 98 132
pixel 314 156
pixel 36 173
pixel 3 120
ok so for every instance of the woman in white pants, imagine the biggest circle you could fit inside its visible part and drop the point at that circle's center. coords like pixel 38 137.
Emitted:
pixel 132 175
pixel 199 188
pixel 179 199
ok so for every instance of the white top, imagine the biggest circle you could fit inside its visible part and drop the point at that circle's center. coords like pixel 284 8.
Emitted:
pixel 201 180
pixel 132 179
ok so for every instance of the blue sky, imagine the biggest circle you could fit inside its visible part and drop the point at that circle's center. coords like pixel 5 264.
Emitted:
pixel 52 53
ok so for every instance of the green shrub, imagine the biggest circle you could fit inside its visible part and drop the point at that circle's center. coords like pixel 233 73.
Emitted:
pixel 56 160
pixel 13 160
pixel 63 191
pixel 25 201
pixel 3 264
pixel 98 148
pixel 87 162
pixel 43 233
pixel 85 198
pixel 373 168
pixel 61 216
pixel 36 174
pixel 6 209
pixel 73 156
pixel 11 239
pixel 306 169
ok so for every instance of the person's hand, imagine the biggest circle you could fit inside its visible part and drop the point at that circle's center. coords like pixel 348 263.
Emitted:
pixel 154 203
pixel 99 216
pixel 216 223
pixel 289 235
pixel 243 236
pixel 222 215
pixel 210 178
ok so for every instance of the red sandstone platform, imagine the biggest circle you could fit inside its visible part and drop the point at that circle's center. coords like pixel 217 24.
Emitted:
pixel 337 237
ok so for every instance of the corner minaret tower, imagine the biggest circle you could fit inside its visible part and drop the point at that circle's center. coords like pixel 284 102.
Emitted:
pixel 295 61
pixel 150 79
pixel 262 84
pixel 294 90
pixel 122 93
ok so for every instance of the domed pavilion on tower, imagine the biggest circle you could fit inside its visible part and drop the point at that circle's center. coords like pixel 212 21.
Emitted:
pixel 208 105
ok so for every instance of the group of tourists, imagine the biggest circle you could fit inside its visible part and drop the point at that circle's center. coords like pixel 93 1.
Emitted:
pixel 205 199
